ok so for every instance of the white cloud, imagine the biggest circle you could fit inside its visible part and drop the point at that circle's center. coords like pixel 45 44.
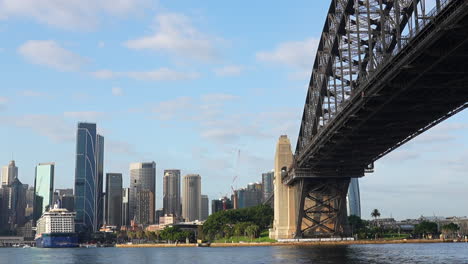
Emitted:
pixel 69 14
pixel 84 115
pixel 218 97
pixel 32 93
pixel 230 70
pixel 298 54
pixel 101 44
pixel 50 53
pixel 177 36
pixel 117 91
pixel 161 74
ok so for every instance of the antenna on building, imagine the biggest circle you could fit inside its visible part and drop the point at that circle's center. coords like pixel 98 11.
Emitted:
pixel 236 172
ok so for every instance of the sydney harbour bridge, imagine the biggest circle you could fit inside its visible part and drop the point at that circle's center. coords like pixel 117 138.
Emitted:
pixel 385 71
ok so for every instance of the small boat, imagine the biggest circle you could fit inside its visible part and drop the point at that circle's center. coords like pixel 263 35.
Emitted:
pixel 26 246
pixel 206 244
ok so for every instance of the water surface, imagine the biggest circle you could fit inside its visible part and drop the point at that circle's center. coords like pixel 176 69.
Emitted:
pixel 391 253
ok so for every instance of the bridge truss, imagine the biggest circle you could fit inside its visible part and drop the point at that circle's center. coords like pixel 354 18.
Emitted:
pixel 385 71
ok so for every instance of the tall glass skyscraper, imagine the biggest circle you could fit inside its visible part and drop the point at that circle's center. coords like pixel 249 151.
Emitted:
pixel 87 194
pixel 267 182
pixel 171 192
pixel 114 199
pixel 354 198
pixel 100 179
pixel 43 189
pixel 142 192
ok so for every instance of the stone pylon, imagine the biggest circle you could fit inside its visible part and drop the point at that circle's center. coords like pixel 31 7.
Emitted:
pixel 285 203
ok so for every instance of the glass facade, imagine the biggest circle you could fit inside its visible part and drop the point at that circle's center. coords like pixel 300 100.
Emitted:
pixel 267 182
pixel 43 189
pixel 142 179
pixel 85 178
pixel 171 192
pixel 100 179
pixel 114 199
pixel 354 198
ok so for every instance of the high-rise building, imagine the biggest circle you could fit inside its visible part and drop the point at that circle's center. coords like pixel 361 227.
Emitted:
pixel 221 205
pixel 142 192
pixel 68 202
pixel 63 192
pixel 171 192
pixel 9 173
pixel 86 179
pixel 100 180
pixel 354 198
pixel 15 197
pixel 114 199
pixel 43 189
pixel 267 182
pixel 29 201
pixel 250 196
pixel 204 207
pixel 125 206
pixel 191 200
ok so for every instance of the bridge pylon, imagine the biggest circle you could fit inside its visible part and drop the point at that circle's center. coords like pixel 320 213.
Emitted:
pixel 321 210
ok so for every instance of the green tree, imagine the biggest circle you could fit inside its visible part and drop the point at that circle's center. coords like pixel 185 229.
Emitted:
pixel 424 228
pixel 252 231
pixel 450 228
pixel 357 224
pixel 228 231
pixel 375 214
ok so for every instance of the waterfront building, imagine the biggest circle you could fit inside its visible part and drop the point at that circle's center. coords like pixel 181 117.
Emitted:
pixel 14 203
pixel 267 183
pixel 171 192
pixel 56 228
pixel 43 189
pixel 87 193
pixel 9 173
pixel 204 207
pixel 221 204
pixel 157 215
pixel 354 198
pixel 191 200
pixel 142 192
pixel 114 199
pixel 125 207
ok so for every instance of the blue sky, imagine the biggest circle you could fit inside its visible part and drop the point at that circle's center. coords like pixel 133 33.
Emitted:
pixel 188 84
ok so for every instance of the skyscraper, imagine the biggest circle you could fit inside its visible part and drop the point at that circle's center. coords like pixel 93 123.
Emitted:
pixel 171 192
pixel 99 180
pixel 16 203
pixel 221 205
pixel 86 181
pixel 142 190
pixel 204 207
pixel 125 206
pixel 9 173
pixel 267 182
pixel 43 189
pixel 114 199
pixel 354 198
pixel 191 200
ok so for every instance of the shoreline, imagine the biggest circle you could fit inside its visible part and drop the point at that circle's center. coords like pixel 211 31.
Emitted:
pixel 271 244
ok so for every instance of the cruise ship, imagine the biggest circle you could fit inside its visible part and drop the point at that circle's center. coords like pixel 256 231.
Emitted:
pixel 56 229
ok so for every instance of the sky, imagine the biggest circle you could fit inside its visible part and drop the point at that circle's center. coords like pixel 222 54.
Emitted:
pixel 206 87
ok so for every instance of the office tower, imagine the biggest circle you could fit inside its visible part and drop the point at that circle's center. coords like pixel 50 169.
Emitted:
pixel 9 173
pixel 100 180
pixel 221 204
pixel 354 198
pixel 204 207
pixel 142 190
pixel 125 206
pixel 191 200
pixel 267 182
pixel 86 180
pixel 15 198
pixel 159 213
pixel 29 201
pixel 171 192
pixel 68 202
pixel 113 199
pixel 43 189
pixel 63 192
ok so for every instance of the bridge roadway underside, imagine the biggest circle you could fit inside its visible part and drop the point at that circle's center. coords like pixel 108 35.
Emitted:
pixel 424 84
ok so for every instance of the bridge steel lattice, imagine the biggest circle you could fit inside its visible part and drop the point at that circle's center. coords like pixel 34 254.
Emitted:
pixel 385 71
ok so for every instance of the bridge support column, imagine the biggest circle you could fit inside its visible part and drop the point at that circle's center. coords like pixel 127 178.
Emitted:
pixel 322 207
pixel 285 203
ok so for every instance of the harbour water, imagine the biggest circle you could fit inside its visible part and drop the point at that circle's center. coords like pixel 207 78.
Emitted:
pixel 382 253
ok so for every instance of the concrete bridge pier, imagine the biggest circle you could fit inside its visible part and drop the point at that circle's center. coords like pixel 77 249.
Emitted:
pixel 321 210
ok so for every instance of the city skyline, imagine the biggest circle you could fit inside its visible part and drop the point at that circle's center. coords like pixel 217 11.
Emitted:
pixel 152 105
